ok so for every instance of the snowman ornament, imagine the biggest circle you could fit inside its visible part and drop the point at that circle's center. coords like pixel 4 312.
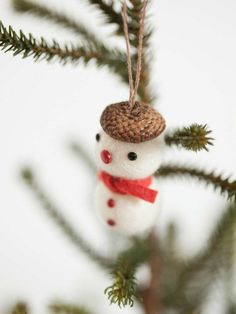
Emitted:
pixel 129 151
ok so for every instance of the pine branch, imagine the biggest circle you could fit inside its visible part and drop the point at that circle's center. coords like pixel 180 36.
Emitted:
pixel 150 295
pixel 20 308
pixel 80 152
pixel 62 308
pixel 28 46
pixel 193 280
pixel 231 309
pixel 56 215
pixel 224 185
pixel 25 6
pixel 123 291
pixel 108 10
pixel 195 137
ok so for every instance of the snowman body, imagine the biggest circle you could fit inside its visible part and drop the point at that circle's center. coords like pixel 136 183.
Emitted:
pixel 125 213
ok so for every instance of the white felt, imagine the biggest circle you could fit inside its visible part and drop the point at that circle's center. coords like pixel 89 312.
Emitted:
pixel 131 215
pixel 150 155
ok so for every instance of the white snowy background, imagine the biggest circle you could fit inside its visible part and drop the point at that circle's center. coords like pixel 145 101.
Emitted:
pixel 44 106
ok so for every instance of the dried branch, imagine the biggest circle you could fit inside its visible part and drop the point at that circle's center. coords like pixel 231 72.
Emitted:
pixel 224 185
pixel 56 215
pixel 62 308
pixel 195 137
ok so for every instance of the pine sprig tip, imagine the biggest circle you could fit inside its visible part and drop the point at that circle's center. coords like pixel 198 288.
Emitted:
pixel 194 137
pixel 124 289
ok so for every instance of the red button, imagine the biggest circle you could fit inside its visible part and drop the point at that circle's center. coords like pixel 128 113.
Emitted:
pixel 111 203
pixel 106 156
pixel 111 222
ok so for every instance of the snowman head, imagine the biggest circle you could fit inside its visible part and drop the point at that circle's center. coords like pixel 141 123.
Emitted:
pixel 130 144
pixel 128 160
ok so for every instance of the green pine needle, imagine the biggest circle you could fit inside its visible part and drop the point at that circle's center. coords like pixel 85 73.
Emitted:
pixel 56 215
pixel 108 11
pixel 83 155
pixel 194 137
pixel 123 291
pixel 28 46
pixel 20 308
pixel 26 6
pixel 62 308
pixel 225 185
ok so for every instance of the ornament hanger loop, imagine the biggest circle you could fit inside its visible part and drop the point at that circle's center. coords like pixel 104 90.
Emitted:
pixel 134 85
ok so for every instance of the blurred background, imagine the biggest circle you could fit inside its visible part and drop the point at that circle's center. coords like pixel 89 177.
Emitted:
pixel 46 106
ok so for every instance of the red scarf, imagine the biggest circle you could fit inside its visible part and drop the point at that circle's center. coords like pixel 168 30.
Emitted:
pixel 138 188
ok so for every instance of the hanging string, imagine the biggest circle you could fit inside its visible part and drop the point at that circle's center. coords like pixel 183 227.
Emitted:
pixel 134 86
pixel 129 61
pixel 139 52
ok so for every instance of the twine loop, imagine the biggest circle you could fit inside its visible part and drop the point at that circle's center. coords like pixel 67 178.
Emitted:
pixel 133 85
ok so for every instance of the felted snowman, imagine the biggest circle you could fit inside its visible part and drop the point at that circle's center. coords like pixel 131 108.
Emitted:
pixel 129 150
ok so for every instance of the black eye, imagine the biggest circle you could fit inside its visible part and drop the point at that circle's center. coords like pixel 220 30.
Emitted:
pixel 132 156
pixel 98 137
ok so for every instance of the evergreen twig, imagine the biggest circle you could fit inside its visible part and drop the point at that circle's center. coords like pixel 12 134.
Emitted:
pixel 80 152
pixel 28 46
pixel 123 291
pixel 190 281
pixel 26 6
pixel 224 185
pixel 20 308
pixel 108 10
pixel 195 137
pixel 62 308
pixel 214 256
pixel 60 220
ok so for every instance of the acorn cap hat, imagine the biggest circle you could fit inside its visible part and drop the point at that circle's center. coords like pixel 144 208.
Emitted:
pixel 132 125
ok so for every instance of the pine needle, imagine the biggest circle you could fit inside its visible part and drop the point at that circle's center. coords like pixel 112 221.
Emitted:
pixel 62 308
pixel 39 10
pixel 56 215
pixel 81 153
pixel 224 185
pixel 40 49
pixel 123 291
pixel 108 11
pixel 20 308
pixel 194 137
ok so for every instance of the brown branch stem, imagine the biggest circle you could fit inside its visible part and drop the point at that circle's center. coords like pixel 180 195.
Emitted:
pixel 150 296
